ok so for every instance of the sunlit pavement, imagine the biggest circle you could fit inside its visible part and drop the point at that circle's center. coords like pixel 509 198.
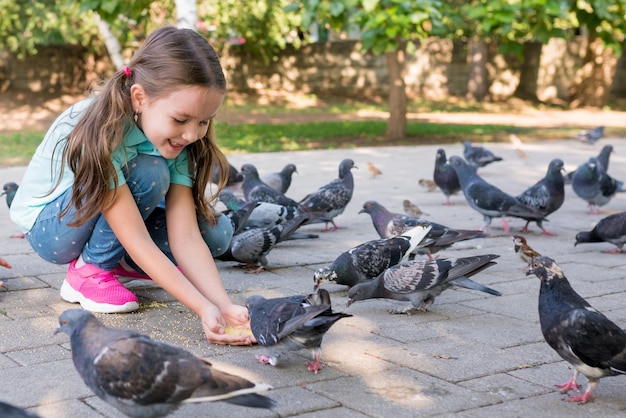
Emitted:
pixel 471 355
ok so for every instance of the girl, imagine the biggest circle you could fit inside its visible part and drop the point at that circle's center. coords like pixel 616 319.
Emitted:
pixel 93 194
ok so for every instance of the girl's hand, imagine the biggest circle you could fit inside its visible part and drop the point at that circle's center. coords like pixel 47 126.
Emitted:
pixel 214 323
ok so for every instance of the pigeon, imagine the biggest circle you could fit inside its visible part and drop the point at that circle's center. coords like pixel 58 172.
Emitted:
pixel 525 251
pixel 488 200
pixel 420 282
pixel 292 323
pixel 281 180
pixel 366 261
pixel 9 189
pixel 609 229
pixel 580 334
pixel 146 378
pixel 411 209
pixel 389 224
pixel 12 411
pixel 591 136
pixel 331 200
pixel 234 176
pixel 239 217
pixel 547 195
pixel 603 158
pixel 251 247
pixel 478 156
pixel 374 171
pixel 230 200
pixel 256 191
pixel 591 183
pixel 428 184
pixel 445 177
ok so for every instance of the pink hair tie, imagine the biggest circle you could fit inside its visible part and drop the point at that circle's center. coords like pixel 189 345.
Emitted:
pixel 127 71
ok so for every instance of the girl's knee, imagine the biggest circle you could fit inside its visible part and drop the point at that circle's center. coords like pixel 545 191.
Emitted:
pixel 148 178
pixel 218 237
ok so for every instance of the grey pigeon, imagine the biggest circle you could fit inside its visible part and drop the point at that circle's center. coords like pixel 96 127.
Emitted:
pixel 282 179
pixel 366 261
pixel 609 229
pixel 445 177
pixel 230 200
pixel 490 201
pixel 9 189
pixel 146 378
pixel 591 136
pixel 547 194
pixel 603 158
pixel 239 217
pixel 12 411
pixel 390 224
pixel 292 323
pixel 255 190
pixel 234 176
pixel 420 282
pixel 591 183
pixel 581 335
pixel 478 156
pixel 251 247
pixel 330 200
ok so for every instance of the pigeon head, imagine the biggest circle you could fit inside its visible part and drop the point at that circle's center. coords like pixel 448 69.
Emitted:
pixel 584 236
pixel 361 291
pixel 371 207
pixel 441 158
pixel 324 275
pixel 289 169
pixel 345 166
pixel 248 170
pixel 9 189
pixel 555 166
pixel 545 269
pixel 72 320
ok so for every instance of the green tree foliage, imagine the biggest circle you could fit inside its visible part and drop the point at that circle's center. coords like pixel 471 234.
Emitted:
pixel 388 27
pixel 262 28
pixel 25 24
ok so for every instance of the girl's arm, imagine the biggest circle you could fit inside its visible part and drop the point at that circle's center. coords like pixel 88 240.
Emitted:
pixel 128 226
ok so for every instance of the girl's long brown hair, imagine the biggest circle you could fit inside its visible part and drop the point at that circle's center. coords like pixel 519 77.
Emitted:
pixel 168 59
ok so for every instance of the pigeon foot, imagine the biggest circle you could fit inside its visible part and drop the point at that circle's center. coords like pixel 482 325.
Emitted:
pixel 263 358
pixel 315 366
pixel 16 236
pixel 569 385
pixel 582 399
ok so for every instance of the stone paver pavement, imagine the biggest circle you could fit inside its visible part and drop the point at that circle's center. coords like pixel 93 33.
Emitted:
pixel 471 355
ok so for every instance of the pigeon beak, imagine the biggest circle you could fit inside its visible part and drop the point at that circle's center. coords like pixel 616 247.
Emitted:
pixel 56 331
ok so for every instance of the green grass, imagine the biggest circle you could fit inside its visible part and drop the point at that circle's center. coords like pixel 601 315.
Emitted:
pixel 18 148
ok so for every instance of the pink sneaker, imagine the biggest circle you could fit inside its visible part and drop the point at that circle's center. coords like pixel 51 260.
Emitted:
pixel 97 290
pixel 125 276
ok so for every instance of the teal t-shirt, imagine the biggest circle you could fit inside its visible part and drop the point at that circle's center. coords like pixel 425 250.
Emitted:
pixel 44 168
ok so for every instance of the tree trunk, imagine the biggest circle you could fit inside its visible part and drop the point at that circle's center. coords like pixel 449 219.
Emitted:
pixel 618 89
pixel 112 43
pixel 396 125
pixel 477 85
pixel 186 13
pixel 592 84
pixel 529 72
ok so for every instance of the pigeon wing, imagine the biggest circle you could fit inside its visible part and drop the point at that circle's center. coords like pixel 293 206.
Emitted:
pixel 594 339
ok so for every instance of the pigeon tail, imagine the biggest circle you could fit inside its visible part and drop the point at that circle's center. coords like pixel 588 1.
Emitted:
pixel 467 283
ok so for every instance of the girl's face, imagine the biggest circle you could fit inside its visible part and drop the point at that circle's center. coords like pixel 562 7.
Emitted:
pixel 178 119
